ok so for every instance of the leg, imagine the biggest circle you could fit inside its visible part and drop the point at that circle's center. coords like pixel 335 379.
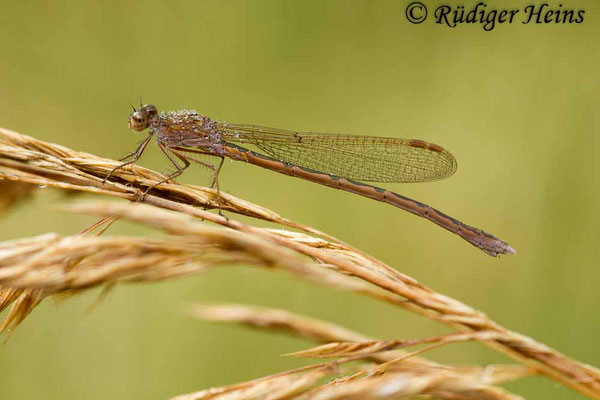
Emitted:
pixel 136 156
pixel 187 150
pixel 216 178
pixel 128 156
pixel 178 152
pixel 175 174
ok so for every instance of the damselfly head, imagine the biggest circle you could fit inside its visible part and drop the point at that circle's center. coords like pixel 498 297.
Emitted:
pixel 140 118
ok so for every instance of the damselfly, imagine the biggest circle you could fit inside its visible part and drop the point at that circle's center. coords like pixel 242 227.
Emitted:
pixel 338 161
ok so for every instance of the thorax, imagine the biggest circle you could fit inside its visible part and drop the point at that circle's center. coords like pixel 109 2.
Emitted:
pixel 185 128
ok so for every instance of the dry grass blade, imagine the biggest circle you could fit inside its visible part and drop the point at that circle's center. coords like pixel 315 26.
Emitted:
pixel 371 347
pixel 31 270
pixel 69 264
pixel 23 304
pixel 93 261
pixel 430 384
pixel 303 384
pixel 321 331
pixel 276 319
pixel 275 387
pixel 285 321
pixel 25 159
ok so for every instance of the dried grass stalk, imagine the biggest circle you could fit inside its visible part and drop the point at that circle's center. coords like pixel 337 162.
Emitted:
pixel 421 384
pixel 371 347
pixel 287 322
pixel 304 384
pixel 27 160
pixel 275 387
pixel 326 332
pixel 275 319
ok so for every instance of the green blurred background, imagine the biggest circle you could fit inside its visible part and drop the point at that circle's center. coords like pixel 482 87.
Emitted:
pixel 517 106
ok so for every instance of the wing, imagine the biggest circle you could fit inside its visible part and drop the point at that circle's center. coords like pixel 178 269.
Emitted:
pixel 362 158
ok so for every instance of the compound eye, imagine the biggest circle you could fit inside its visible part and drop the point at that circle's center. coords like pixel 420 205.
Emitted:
pixel 138 121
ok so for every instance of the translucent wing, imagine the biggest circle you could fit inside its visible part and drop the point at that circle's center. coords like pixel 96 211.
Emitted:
pixel 362 158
